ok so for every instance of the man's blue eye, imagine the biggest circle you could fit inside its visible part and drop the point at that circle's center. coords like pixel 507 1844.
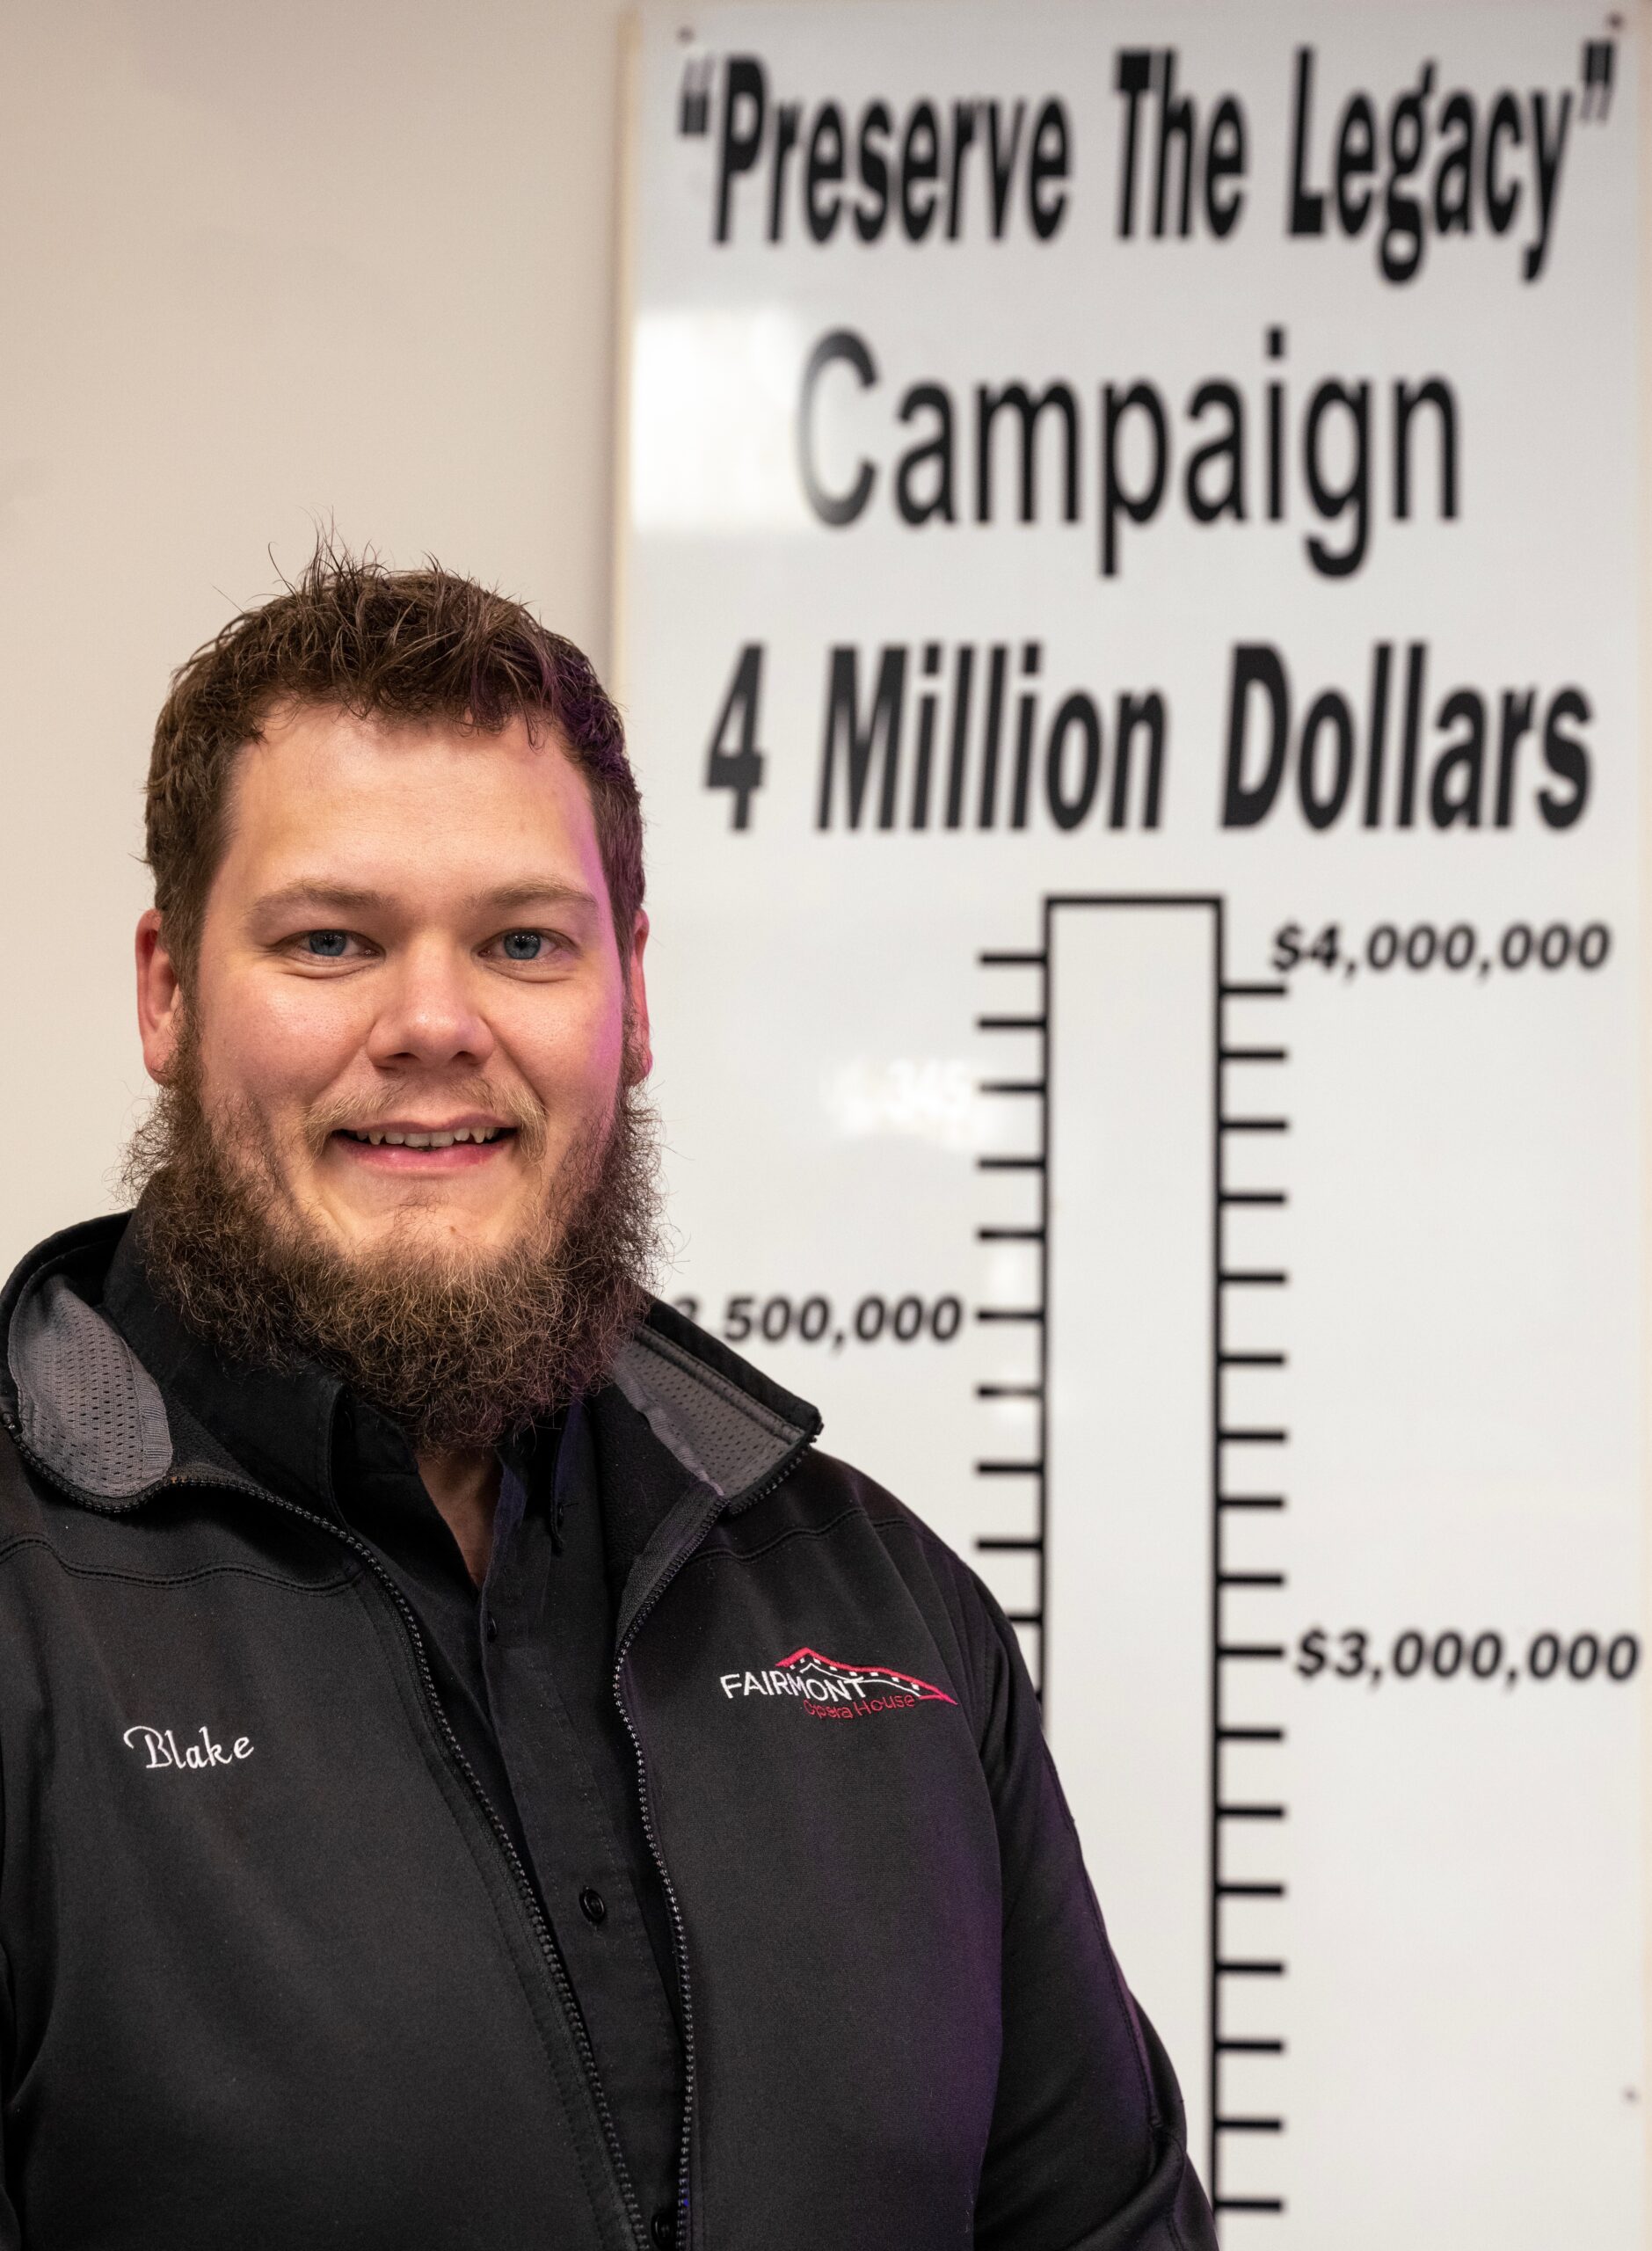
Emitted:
pixel 327 944
pixel 523 946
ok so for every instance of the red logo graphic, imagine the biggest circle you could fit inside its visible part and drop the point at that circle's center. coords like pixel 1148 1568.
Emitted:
pixel 830 1690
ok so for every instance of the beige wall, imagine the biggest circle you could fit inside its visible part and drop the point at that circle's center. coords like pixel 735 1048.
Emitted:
pixel 261 265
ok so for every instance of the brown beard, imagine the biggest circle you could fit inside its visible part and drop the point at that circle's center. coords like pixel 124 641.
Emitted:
pixel 458 1349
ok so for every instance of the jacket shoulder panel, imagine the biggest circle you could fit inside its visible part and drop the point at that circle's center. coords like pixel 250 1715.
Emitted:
pixel 178 1538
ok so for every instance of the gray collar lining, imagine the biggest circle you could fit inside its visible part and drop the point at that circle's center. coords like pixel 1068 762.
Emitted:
pixel 87 1407
pixel 90 1411
pixel 718 1433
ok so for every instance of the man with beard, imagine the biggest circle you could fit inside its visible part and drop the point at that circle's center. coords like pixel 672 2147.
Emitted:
pixel 471 1773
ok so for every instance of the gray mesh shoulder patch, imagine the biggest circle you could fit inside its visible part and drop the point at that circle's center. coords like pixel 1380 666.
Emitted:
pixel 88 1407
pixel 721 1436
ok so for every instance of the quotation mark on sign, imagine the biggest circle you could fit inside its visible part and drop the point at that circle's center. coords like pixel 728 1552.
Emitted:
pixel 694 106
pixel 1599 57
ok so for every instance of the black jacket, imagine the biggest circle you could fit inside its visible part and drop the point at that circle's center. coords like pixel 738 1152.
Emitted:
pixel 271 1974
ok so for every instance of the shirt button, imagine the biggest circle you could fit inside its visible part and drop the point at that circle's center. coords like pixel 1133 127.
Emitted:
pixel 663 2228
pixel 490 1625
pixel 594 1908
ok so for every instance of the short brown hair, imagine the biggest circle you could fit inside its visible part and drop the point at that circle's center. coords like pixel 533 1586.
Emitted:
pixel 407 646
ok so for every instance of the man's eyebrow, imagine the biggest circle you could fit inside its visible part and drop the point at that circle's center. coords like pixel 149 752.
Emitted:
pixel 504 898
pixel 309 891
pixel 540 891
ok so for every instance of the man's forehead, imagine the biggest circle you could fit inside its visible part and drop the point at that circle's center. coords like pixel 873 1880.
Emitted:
pixel 325 802
pixel 308 764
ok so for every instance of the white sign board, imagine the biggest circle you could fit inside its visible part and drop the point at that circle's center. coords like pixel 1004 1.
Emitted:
pixel 1130 615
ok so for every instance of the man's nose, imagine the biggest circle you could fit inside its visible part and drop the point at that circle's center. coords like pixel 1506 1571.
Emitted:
pixel 430 1013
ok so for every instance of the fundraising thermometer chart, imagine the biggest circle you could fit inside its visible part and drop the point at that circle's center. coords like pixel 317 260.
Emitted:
pixel 1150 1196
pixel 1154 1424
pixel 1128 578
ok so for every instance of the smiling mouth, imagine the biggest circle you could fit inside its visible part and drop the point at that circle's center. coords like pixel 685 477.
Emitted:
pixel 390 1138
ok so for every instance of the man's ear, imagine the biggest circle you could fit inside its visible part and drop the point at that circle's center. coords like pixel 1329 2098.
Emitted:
pixel 639 1054
pixel 160 999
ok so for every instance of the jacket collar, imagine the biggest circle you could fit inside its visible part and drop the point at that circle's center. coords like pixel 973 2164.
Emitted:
pixel 110 1430
pixel 278 1422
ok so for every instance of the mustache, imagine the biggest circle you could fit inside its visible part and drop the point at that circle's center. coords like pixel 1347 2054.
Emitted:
pixel 512 1106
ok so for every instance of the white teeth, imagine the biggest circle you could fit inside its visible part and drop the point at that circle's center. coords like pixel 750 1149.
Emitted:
pixel 480 1134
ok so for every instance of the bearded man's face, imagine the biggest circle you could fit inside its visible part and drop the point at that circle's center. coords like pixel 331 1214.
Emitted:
pixel 399 1130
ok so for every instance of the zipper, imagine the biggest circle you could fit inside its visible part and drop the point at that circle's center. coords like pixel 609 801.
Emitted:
pixel 513 1859
pixel 679 1936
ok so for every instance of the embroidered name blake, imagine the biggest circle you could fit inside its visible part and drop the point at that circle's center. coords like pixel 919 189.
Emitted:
pixel 162 1746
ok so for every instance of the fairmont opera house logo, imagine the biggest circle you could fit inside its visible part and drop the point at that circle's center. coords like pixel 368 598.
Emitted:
pixel 828 1690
